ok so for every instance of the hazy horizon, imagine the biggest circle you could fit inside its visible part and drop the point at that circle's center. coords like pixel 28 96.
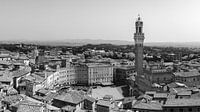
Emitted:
pixel 41 20
pixel 70 40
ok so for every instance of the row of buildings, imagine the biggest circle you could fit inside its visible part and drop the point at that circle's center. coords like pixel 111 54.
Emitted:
pixel 82 73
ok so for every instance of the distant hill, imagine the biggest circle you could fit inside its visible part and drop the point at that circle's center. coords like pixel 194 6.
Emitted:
pixel 174 44
pixel 73 42
pixel 80 42
pixel 100 41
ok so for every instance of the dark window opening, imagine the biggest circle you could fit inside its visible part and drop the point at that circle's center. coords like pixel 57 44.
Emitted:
pixel 140 29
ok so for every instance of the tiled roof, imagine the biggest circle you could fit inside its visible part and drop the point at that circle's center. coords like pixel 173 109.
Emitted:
pixel 2 62
pixel 6 76
pixel 104 103
pixel 187 74
pixel 17 62
pixel 172 85
pixel 196 95
pixel 20 73
pixel 97 65
pixel 37 97
pixel 147 97
pixel 150 92
pixel 35 78
pixel 12 91
pixel 4 56
pixel 12 99
pixel 178 90
pixel 23 57
pixel 194 64
pixel 49 107
pixel 184 93
pixel 43 91
pixel 4 51
pixel 160 95
pixel 90 98
pixel 147 106
pixel 171 96
pixel 128 100
pixel 28 106
pixel 50 96
pixel 176 85
pixel 71 97
pixel 182 102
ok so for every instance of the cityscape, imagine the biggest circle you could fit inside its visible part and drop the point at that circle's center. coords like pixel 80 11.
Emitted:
pixel 99 75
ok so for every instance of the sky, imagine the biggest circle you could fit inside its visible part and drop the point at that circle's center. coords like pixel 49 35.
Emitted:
pixel 164 20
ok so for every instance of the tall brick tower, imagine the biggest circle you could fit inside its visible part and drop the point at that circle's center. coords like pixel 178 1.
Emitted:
pixel 139 39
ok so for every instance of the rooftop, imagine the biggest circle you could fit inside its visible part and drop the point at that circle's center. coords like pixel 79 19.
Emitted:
pixel 4 56
pixel 90 98
pixel 2 62
pixel 50 96
pixel 22 72
pixel 177 85
pixel 147 106
pixel 28 106
pixel 182 102
pixel 48 73
pixel 150 92
pixel 184 93
pixel 12 91
pixel 128 100
pixel 97 65
pixel 35 78
pixel 160 71
pixel 105 103
pixel 71 97
pixel 194 64
pixel 187 74
pixel 43 91
pixel 126 67
pixel 160 95
pixel 12 99
pixel 50 107
pixel 23 57
pixel 147 97
pixel 6 76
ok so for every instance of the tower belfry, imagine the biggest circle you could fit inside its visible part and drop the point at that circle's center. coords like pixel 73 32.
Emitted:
pixel 139 39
